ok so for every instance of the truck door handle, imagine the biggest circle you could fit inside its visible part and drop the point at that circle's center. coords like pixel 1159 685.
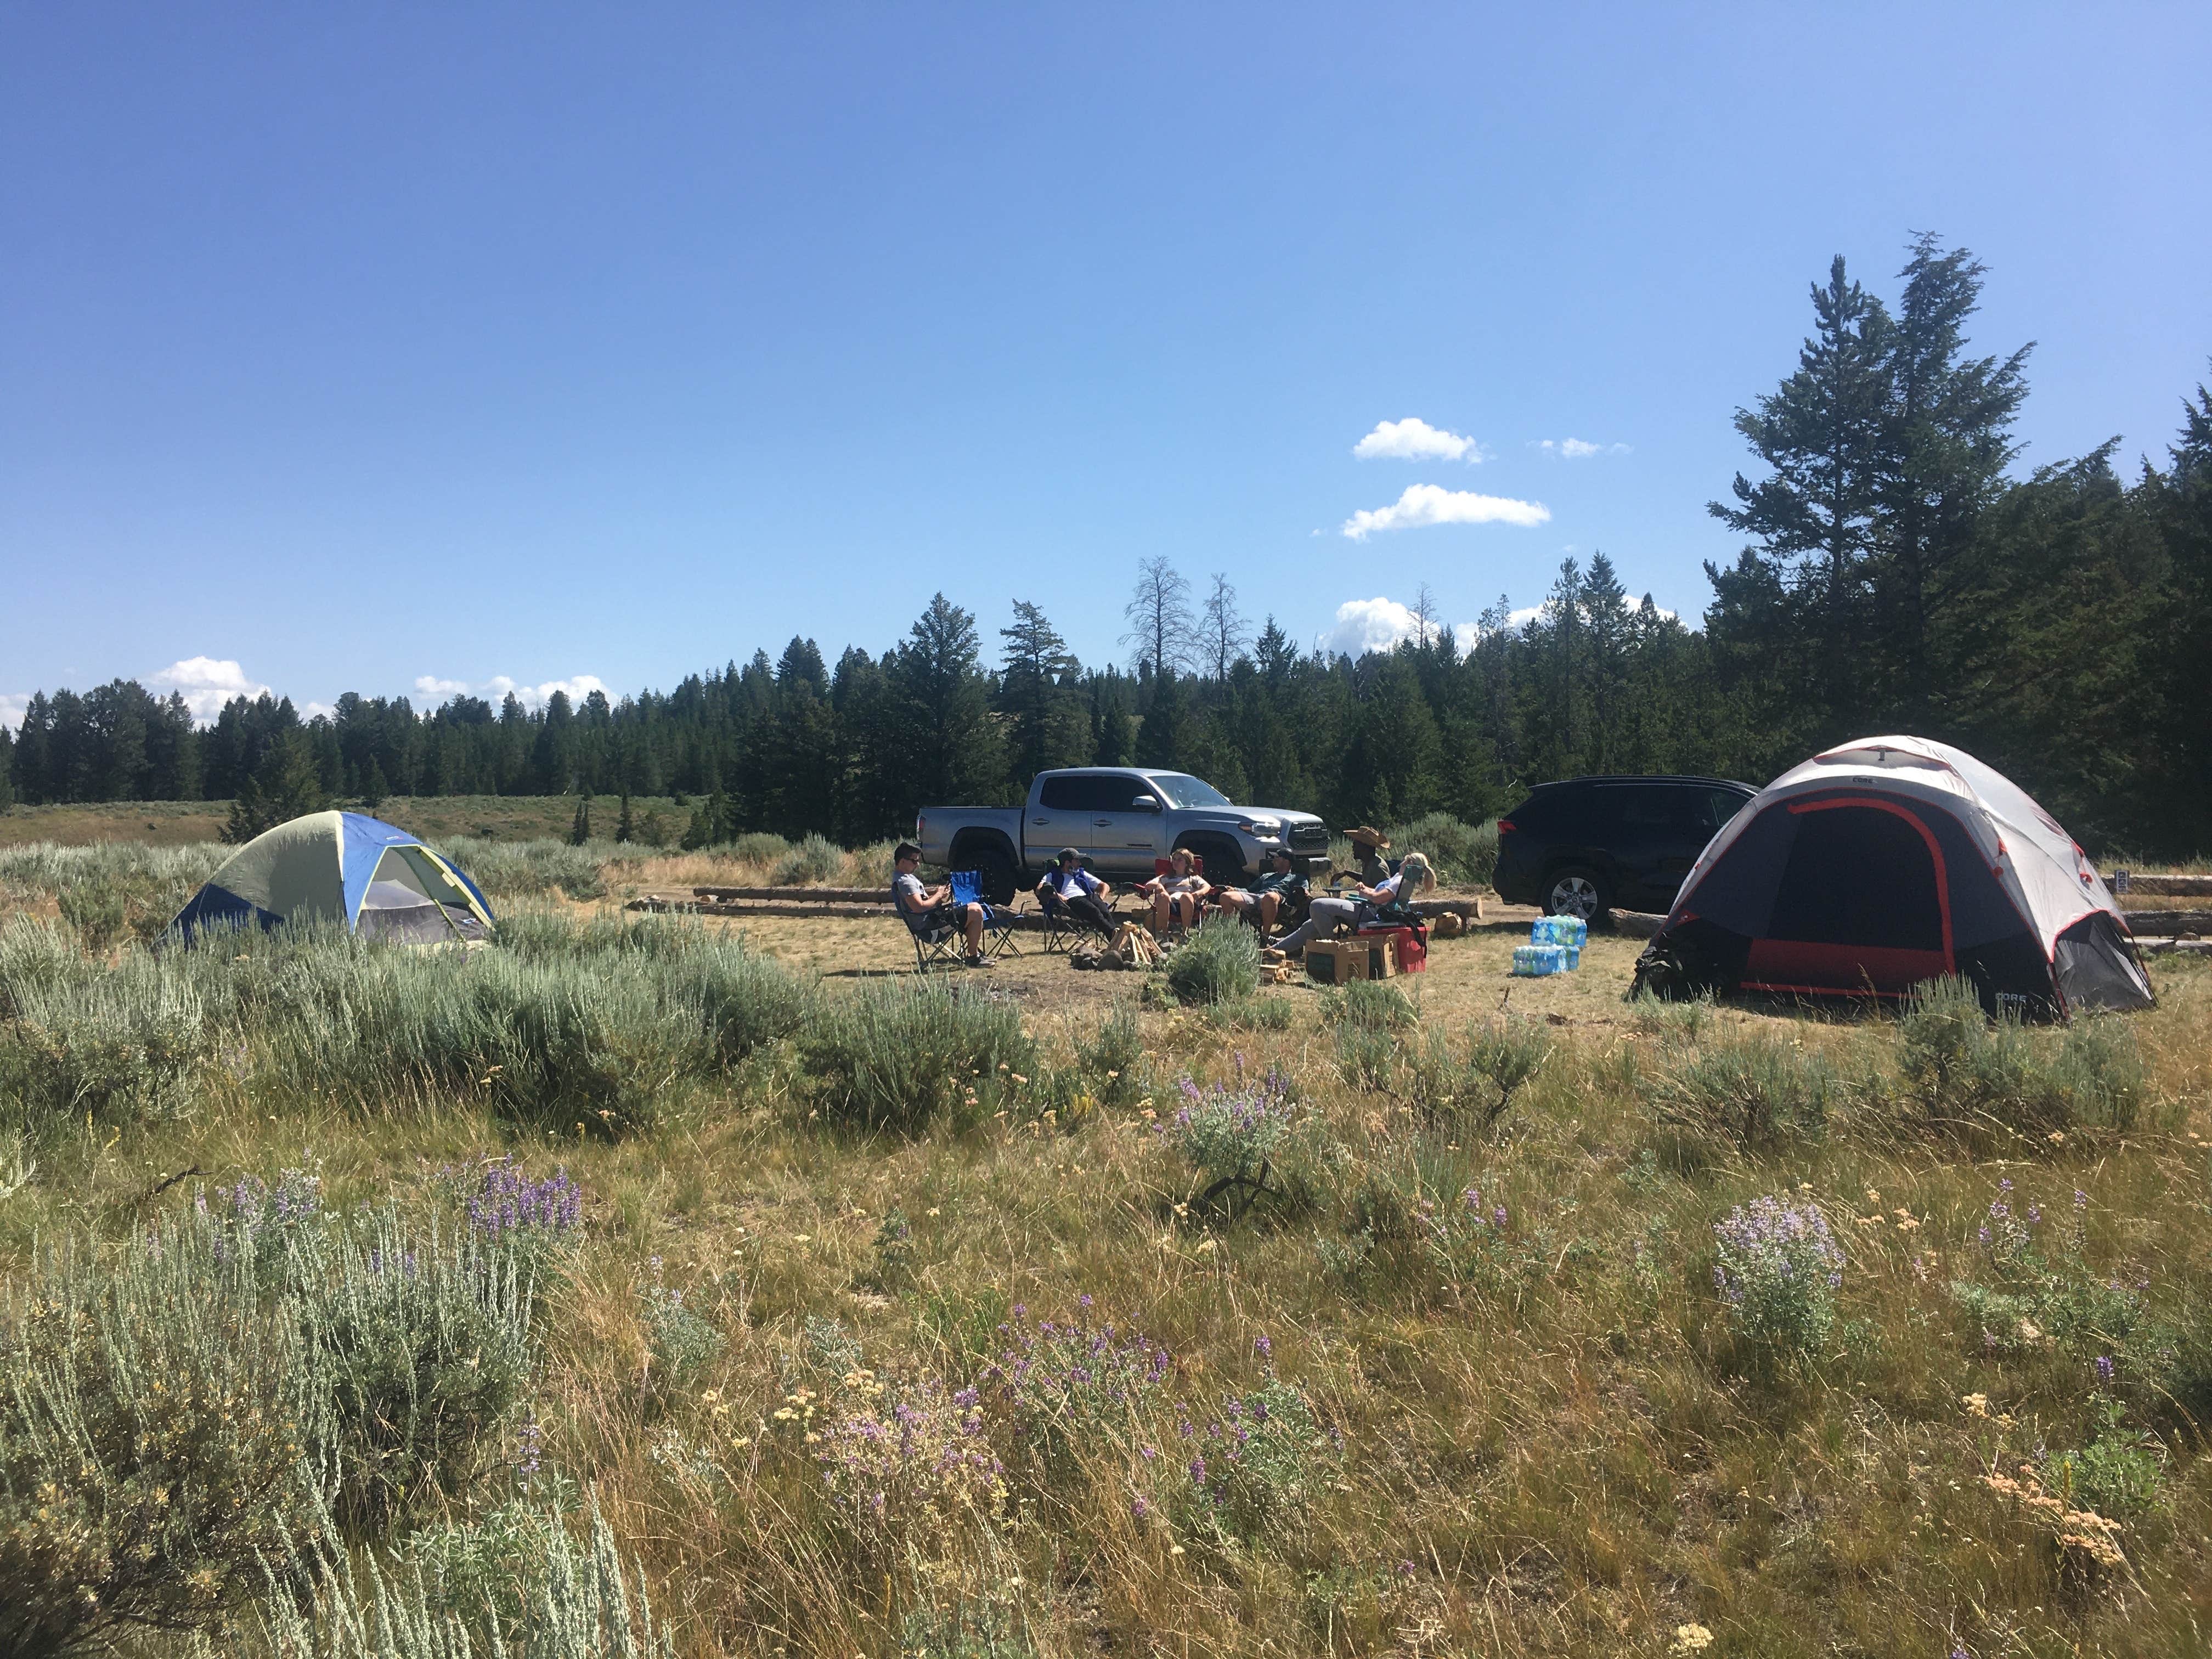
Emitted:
pixel 1040 822
pixel 1103 823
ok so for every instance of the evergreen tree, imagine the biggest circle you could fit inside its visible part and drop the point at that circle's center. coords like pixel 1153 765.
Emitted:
pixel 286 785
pixel 952 745
pixel 580 827
pixel 1047 723
pixel 624 829
pixel 1813 519
pixel 7 769
pixel 373 787
pixel 1945 444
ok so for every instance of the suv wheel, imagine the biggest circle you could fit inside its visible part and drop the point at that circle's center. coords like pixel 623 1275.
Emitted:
pixel 1577 891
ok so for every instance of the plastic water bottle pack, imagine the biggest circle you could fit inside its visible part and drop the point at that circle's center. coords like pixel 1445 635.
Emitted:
pixel 1533 961
pixel 1565 936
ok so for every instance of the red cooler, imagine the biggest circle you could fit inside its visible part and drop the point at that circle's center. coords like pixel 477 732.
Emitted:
pixel 1413 946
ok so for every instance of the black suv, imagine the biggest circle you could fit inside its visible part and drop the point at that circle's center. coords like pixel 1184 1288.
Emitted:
pixel 1587 845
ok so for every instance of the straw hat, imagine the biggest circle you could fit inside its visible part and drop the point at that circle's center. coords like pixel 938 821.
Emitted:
pixel 1364 836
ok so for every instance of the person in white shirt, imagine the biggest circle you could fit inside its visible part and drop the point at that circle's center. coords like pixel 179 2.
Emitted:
pixel 1074 889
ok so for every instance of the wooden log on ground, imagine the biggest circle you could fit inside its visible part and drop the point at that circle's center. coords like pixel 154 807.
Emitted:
pixel 2163 946
pixel 1638 924
pixel 800 895
pixel 2159 887
pixel 2169 921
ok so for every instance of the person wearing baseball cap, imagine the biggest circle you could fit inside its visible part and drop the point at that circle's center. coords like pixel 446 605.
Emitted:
pixel 1067 886
pixel 1283 882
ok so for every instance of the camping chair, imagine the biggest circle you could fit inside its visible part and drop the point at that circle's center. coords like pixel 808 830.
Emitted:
pixel 998 925
pixel 1163 868
pixel 1063 927
pixel 937 941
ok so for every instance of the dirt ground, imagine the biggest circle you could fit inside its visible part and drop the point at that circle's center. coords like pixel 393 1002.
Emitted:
pixel 1466 978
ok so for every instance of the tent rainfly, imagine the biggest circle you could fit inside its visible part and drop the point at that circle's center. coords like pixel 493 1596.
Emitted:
pixel 1891 860
pixel 340 866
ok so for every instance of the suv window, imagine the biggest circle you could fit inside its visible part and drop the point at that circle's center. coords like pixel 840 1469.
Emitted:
pixel 1712 808
pixel 1647 806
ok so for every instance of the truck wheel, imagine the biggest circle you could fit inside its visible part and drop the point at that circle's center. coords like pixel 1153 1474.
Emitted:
pixel 1225 861
pixel 995 874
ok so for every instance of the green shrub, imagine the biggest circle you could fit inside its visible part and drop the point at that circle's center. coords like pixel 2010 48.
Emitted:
pixel 1459 1087
pixel 1260 1465
pixel 1462 852
pixel 1971 1074
pixel 1249 1014
pixel 759 847
pixel 682 1339
pixel 576 1600
pixel 1777 1273
pixel 1755 1091
pixel 1371 1004
pixel 1219 962
pixel 155 1407
pixel 512 869
pixel 119 1046
pixel 1112 1056
pixel 2118 1473
pixel 900 1055
pixel 424 1345
pixel 814 859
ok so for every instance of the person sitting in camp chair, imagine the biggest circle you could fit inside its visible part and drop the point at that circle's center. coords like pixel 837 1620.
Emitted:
pixel 930 910
pixel 1368 846
pixel 1069 889
pixel 1388 899
pixel 1283 886
pixel 1177 893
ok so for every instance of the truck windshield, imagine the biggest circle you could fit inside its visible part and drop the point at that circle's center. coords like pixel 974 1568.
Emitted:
pixel 1184 790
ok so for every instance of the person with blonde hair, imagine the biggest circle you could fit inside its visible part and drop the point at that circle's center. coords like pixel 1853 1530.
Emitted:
pixel 1386 901
pixel 1177 894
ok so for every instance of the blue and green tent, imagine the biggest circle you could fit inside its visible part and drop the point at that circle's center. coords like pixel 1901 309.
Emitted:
pixel 340 866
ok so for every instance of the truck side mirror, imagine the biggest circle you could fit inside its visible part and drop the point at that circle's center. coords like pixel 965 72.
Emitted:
pixel 1145 803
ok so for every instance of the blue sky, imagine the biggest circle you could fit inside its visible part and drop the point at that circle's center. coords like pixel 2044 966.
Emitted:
pixel 377 347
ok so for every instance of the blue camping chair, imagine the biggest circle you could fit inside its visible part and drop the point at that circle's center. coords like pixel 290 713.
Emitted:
pixel 998 925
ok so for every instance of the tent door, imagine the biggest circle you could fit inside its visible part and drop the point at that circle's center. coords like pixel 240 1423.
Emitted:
pixel 1863 903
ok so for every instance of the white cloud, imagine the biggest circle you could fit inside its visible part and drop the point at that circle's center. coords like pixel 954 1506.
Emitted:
pixel 434 689
pixel 1431 504
pixel 12 705
pixel 207 684
pixel 1576 449
pixel 1365 625
pixel 1415 440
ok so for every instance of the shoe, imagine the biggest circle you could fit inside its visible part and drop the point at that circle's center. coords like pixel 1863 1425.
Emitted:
pixel 975 962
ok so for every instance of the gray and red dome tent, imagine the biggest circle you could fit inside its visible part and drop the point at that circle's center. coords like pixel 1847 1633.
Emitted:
pixel 1889 861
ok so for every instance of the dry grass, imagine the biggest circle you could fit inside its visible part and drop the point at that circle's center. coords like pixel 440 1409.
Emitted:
pixel 1560 1453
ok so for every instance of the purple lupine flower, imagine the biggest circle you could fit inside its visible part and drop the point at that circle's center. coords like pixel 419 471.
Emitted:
pixel 2103 1368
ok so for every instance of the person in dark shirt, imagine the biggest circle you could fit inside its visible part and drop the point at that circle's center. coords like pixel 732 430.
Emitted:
pixel 1283 884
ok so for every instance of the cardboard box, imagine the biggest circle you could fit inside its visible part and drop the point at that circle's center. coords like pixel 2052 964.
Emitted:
pixel 1339 961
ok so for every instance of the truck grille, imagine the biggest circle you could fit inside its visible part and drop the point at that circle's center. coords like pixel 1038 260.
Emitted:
pixel 1310 838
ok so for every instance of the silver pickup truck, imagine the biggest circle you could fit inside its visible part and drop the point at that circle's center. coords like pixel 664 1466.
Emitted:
pixel 1120 818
